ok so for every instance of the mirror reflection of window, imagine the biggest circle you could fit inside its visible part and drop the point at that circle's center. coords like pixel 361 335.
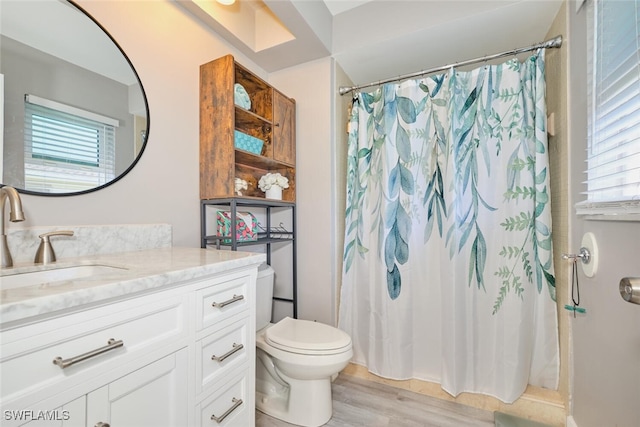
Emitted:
pixel 66 149
pixel 53 49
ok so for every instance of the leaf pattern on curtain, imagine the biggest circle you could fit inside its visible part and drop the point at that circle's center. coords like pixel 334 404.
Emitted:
pixel 448 272
pixel 425 155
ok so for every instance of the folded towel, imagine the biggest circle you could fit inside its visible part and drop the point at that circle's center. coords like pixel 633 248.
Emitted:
pixel 241 97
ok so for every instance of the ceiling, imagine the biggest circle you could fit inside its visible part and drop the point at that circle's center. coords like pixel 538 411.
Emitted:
pixel 339 6
pixel 375 39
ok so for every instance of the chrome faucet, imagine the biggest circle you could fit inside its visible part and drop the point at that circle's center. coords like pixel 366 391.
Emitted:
pixel 16 215
pixel 45 253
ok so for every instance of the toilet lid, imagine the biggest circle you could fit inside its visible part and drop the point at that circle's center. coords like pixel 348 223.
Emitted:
pixel 295 334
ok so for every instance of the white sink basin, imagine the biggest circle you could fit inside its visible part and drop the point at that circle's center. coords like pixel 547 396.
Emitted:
pixel 32 278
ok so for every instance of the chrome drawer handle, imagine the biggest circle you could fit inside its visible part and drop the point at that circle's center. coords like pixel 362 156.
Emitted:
pixel 235 298
pixel 236 403
pixel 65 363
pixel 236 347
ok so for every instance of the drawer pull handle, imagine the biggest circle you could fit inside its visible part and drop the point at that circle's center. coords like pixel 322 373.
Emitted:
pixel 236 347
pixel 236 403
pixel 65 363
pixel 101 424
pixel 235 298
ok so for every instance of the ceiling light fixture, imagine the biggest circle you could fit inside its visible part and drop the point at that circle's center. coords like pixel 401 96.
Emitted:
pixel 226 2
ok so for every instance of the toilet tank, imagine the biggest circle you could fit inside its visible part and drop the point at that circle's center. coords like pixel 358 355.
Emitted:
pixel 264 296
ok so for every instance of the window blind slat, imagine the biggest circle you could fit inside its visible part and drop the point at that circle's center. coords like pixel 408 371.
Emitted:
pixel 623 118
pixel 620 92
pixel 621 73
pixel 620 163
pixel 625 177
pixel 614 192
pixel 65 152
pixel 613 153
pixel 623 142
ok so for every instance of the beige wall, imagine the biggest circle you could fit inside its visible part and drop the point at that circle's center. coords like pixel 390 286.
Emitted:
pixel 557 87
pixel 320 182
pixel 342 109
pixel 310 85
pixel 166 46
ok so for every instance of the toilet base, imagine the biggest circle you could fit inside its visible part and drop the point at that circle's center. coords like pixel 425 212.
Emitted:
pixel 305 402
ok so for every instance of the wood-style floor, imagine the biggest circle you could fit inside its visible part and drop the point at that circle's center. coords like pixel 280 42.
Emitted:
pixel 358 402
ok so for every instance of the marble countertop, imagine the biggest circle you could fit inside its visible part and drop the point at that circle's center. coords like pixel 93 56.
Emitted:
pixel 134 272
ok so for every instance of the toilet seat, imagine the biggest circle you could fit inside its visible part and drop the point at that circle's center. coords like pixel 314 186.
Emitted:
pixel 307 337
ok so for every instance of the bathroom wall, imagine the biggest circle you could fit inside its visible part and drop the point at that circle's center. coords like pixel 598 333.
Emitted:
pixel 321 182
pixel 167 46
pixel 342 110
pixel 557 93
pixel 311 86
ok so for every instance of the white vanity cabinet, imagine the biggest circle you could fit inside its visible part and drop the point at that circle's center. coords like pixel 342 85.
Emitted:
pixel 159 357
pixel 225 353
pixel 154 395
pixel 60 417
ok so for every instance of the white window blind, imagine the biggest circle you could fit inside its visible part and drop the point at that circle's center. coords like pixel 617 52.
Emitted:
pixel 613 155
pixel 66 149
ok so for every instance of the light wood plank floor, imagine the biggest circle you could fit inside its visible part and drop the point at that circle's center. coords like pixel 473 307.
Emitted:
pixel 358 402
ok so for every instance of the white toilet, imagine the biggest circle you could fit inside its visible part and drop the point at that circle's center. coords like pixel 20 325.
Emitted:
pixel 296 360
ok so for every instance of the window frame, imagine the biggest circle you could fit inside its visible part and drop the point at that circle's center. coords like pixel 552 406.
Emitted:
pixel 626 209
pixel 97 173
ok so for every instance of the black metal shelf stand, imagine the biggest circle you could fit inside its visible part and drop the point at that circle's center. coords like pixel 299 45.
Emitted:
pixel 268 237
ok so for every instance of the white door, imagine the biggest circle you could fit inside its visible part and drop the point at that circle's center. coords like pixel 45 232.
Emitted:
pixel 606 350
pixel 605 340
pixel 155 395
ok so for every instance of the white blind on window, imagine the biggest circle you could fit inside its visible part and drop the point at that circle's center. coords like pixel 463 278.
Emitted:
pixel 66 150
pixel 613 159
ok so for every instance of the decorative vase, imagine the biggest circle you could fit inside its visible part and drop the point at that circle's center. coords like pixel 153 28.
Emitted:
pixel 275 192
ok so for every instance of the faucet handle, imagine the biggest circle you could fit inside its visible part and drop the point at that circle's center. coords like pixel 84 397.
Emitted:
pixel 45 253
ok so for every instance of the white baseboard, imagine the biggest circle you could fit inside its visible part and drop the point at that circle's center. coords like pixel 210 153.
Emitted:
pixel 571 422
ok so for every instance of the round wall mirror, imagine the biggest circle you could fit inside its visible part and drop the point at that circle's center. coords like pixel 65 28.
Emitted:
pixel 75 115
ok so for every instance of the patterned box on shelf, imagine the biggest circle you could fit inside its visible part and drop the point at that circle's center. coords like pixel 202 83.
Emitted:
pixel 246 227
pixel 248 143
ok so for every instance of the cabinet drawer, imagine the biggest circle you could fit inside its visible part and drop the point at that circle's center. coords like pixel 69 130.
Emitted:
pixel 222 352
pixel 222 300
pixel 50 356
pixel 229 406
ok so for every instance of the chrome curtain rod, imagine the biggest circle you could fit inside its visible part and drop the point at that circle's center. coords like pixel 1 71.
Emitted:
pixel 552 43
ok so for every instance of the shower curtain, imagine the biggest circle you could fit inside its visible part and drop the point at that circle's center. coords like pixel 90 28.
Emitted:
pixel 448 273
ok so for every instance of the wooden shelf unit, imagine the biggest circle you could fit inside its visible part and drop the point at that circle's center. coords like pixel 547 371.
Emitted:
pixel 271 119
